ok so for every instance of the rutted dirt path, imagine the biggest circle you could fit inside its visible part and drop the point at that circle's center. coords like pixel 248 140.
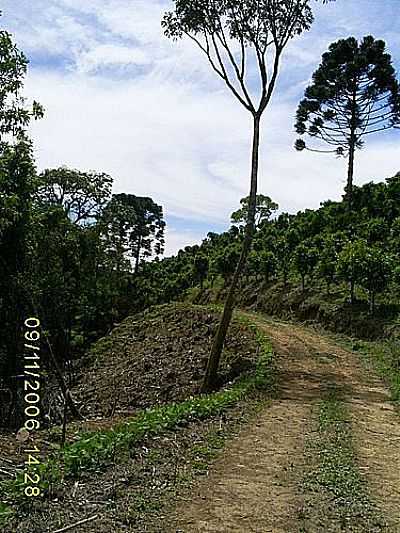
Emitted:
pixel 256 486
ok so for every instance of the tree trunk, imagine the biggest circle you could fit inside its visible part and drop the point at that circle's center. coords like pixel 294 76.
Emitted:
pixel 372 302
pixel 350 175
pixel 210 378
pixel 137 258
pixel 352 291
pixel 352 148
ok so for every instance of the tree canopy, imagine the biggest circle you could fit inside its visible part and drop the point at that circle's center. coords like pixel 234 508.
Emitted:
pixel 264 209
pixel 354 93
pixel 14 114
pixel 82 195
pixel 135 228
pixel 229 32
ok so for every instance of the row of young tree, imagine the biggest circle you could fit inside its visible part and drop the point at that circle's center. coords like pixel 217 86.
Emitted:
pixel 326 248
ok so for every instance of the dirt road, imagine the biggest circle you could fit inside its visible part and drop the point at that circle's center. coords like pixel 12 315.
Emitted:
pixel 257 485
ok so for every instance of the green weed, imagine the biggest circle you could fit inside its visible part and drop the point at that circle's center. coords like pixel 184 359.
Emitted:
pixel 336 471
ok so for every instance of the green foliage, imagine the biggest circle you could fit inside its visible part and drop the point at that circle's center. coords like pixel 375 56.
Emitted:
pixel 305 261
pixel 327 262
pixel 80 195
pixel 351 262
pixel 224 263
pixel 371 267
pixel 326 245
pixel 17 184
pixel 6 512
pixel 264 209
pixel 200 268
pixel 354 93
pixel 251 21
pixel 134 229
pixel 17 181
pixel 377 272
pixel 14 116
pixel 268 264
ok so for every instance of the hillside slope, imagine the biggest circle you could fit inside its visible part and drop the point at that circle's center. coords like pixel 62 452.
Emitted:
pixel 156 357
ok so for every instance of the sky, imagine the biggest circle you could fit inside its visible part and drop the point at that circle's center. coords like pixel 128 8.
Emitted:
pixel 121 98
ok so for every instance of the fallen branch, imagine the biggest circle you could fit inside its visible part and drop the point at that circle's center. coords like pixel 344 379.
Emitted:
pixel 72 526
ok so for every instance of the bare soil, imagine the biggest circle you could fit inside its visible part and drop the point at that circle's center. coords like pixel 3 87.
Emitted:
pixel 156 357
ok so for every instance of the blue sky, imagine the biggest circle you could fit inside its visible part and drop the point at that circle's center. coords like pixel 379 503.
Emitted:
pixel 122 99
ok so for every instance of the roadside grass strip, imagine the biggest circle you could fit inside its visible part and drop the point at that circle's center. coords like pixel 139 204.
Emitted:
pixel 384 357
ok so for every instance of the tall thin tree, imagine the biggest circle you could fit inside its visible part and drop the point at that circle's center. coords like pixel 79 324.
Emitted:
pixel 230 33
pixel 354 93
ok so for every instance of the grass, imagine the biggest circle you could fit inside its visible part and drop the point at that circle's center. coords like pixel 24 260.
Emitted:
pixel 6 513
pixel 336 473
pixel 96 450
pixel 384 358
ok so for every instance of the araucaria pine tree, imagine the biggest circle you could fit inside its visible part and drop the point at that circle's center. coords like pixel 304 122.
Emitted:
pixel 231 34
pixel 354 93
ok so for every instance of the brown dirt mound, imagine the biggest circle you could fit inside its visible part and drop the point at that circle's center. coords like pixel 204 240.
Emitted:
pixel 156 357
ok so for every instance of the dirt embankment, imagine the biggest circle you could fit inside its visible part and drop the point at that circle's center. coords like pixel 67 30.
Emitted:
pixel 156 357
pixel 313 305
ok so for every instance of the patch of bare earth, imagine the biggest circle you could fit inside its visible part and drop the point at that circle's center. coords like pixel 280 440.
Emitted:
pixel 376 430
pixel 158 357
pixel 257 485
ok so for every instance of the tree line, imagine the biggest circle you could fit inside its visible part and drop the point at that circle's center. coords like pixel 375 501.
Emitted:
pixel 324 247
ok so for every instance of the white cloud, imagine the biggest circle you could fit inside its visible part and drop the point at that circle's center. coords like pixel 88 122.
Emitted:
pixel 106 55
pixel 189 150
pixel 155 139
pixel 174 132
